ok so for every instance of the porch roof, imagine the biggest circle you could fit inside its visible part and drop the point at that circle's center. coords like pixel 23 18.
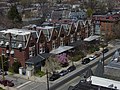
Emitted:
pixel 37 59
pixel 91 38
pixel 61 49
pixel 76 43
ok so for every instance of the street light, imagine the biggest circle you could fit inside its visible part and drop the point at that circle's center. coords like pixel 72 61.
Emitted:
pixel 103 46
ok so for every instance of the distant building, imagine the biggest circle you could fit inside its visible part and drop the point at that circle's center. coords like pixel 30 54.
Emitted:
pixel 103 24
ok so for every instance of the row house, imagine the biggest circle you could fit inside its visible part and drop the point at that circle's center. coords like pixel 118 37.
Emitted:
pixel 18 44
pixel 22 44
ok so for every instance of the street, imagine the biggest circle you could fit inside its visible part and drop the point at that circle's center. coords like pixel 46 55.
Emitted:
pixel 76 80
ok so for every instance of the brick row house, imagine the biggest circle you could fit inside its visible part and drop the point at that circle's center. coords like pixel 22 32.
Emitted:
pixel 18 44
pixel 32 45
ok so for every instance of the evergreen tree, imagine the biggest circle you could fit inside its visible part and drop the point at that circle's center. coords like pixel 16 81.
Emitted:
pixel 14 15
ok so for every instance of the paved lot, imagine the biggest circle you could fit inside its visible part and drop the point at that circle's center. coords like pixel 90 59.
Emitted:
pixel 24 84
pixel 32 86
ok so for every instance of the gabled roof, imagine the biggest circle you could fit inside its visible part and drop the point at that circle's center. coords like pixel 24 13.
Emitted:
pixel 47 30
pixel 72 27
pixel 60 31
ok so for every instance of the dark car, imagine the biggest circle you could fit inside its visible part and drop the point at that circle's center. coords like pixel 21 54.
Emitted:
pixel 105 50
pixel 54 76
pixel 10 84
pixel 85 61
pixel 71 68
pixel 7 83
pixel 63 72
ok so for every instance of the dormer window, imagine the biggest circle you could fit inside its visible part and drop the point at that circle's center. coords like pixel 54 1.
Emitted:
pixel 7 43
pixel 20 46
pixel 2 42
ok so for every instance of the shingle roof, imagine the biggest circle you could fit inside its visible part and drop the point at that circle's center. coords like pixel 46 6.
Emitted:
pixel 37 59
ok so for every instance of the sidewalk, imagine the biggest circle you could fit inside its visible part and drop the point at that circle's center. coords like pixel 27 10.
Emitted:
pixel 32 78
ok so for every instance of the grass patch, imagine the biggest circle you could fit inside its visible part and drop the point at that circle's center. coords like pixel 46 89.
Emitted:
pixel 40 73
pixel 1 88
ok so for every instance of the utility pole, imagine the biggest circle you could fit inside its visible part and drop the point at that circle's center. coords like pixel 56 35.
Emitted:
pixel 2 57
pixel 47 79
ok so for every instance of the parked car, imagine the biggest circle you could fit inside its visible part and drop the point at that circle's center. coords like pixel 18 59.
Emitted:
pixel 92 57
pixel 85 61
pixel 97 54
pixel 105 50
pixel 71 68
pixel 63 72
pixel 54 76
pixel 7 83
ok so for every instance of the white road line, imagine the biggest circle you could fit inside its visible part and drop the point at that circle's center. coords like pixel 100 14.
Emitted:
pixel 28 85
pixel 23 84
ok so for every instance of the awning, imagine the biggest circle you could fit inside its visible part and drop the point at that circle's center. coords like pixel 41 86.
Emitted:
pixel 91 38
pixel 61 49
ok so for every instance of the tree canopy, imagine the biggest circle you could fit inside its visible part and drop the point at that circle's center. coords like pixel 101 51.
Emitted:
pixel 14 15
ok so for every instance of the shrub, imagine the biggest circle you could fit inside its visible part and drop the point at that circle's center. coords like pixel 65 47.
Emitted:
pixel 76 58
pixel 40 73
pixel 16 66
pixel 11 69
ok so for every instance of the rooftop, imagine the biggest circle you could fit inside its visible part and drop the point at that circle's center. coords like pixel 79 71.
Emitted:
pixel 104 82
pixel 17 31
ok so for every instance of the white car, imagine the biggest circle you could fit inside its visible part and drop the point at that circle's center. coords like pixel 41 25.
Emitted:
pixel 92 57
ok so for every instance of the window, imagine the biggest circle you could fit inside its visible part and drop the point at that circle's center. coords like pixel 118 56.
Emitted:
pixel 61 42
pixel 14 45
pixel 71 39
pixel 53 45
pixel 32 51
pixel 41 50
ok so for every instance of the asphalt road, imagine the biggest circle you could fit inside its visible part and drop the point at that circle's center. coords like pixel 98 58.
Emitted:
pixel 76 80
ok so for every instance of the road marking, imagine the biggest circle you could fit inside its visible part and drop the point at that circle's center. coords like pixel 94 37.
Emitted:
pixel 26 86
pixel 23 84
